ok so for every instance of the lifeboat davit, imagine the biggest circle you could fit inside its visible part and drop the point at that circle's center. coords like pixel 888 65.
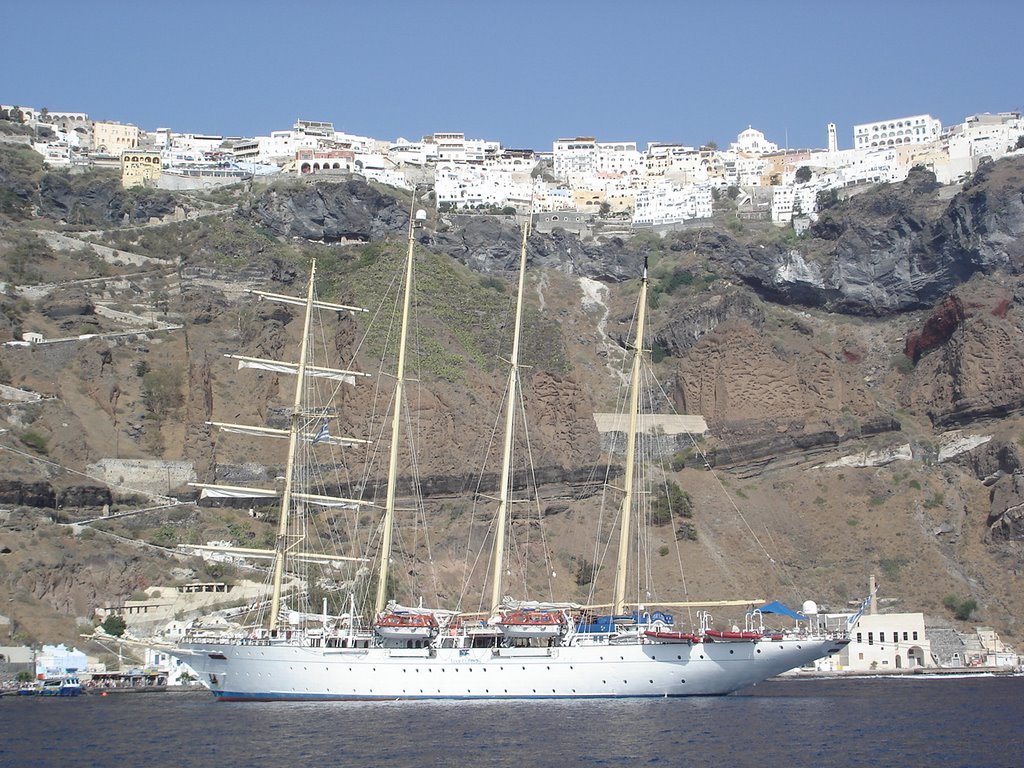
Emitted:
pixel 406 626
pixel 527 624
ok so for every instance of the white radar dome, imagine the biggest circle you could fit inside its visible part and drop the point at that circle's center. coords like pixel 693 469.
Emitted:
pixel 810 608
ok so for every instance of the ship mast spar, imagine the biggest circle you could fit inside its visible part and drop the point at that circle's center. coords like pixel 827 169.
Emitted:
pixel 294 431
pixel 510 413
pixel 389 504
pixel 627 499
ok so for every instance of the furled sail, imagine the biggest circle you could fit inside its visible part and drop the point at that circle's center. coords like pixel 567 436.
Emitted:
pixel 277 366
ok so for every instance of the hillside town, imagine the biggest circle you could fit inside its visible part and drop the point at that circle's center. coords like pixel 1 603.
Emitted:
pixel 663 187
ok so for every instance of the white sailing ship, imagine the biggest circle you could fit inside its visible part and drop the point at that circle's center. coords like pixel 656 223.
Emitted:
pixel 514 649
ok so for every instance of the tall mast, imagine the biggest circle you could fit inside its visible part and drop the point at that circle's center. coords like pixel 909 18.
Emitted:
pixel 389 504
pixel 294 433
pixel 510 414
pixel 627 499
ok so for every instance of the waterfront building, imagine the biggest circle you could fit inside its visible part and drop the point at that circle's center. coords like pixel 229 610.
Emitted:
pixel 917 129
pixel 879 642
pixel 58 660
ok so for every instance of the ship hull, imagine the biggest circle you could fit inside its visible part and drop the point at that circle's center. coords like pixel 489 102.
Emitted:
pixel 292 672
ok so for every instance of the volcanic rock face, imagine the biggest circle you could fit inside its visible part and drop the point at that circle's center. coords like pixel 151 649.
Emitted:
pixel 491 244
pixel 890 256
pixel 937 329
pixel 687 326
pixel 99 202
pixel 72 303
pixel 29 494
pixel 1006 518
pixel 737 374
pixel 978 373
pixel 564 419
pixel 352 210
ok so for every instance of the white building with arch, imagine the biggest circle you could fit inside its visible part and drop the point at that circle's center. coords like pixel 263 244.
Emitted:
pixel 917 129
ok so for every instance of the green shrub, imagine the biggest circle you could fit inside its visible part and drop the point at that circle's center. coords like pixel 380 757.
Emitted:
pixel 903 364
pixel 670 501
pixel 114 625
pixel 687 532
pixel 161 391
pixel 35 441
pixel 965 609
pixel 962 609
pixel 891 566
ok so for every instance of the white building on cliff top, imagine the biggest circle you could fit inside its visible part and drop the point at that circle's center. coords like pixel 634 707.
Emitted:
pixel 917 129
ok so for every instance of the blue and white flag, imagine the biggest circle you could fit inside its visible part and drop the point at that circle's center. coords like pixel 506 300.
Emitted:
pixel 320 435
pixel 852 620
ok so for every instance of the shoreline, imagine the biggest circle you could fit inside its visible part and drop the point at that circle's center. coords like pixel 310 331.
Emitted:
pixel 918 672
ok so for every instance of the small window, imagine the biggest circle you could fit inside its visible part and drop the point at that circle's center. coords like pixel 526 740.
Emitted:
pixel 905 636
pixel 881 637
pixel 859 638
pixel 915 635
pixel 871 638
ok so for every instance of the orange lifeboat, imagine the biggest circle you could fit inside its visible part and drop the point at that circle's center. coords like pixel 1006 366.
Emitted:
pixel 527 624
pixel 393 625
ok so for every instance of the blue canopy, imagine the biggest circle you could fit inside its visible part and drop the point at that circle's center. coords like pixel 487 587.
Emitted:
pixel 777 607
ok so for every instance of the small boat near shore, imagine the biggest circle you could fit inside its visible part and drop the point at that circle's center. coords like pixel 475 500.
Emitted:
pixel 52 686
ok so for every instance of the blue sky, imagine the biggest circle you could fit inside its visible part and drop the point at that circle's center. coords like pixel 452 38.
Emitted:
pixel 521 72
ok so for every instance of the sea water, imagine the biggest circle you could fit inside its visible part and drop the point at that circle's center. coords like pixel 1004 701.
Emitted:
pixel 969 722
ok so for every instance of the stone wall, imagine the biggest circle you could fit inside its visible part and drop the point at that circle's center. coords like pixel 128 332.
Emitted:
pixel 151 476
